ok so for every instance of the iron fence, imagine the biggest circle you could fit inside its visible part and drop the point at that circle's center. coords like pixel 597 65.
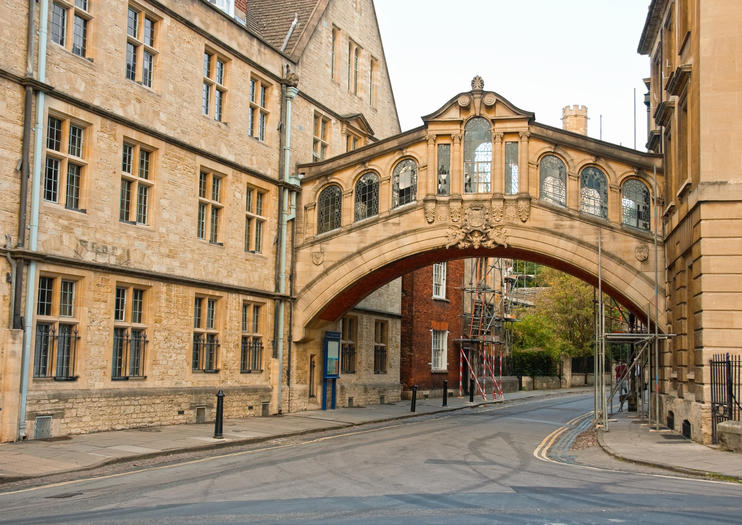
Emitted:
pixel 726 388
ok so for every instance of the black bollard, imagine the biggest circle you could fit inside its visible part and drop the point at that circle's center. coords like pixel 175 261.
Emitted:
pixel 471 390
pixel 414 398
pixel 219 421
pixel 445 392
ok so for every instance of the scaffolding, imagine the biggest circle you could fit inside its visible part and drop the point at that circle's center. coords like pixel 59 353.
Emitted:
pixel 489 288
pixel 643 372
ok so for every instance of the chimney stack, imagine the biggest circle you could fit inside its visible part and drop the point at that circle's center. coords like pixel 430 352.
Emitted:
pixel 574 118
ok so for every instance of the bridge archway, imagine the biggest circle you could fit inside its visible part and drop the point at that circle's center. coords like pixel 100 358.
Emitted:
pixel 435 196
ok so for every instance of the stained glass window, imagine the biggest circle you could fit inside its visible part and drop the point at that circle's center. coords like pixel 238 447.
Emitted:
pixel 404 183
pixel 366 197
pixel 635 204
pixel 553 180
pixel 329 209
pixel 477 155
pixel 594 192
pixel 444 169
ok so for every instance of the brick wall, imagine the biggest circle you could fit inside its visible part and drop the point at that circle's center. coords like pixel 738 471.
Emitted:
pixel 421 314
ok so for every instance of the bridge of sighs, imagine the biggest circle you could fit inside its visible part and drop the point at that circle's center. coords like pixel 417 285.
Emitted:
pixel 479 178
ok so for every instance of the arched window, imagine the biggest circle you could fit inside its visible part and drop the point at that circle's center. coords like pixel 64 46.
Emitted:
pixel 553 180
pixel 366 196
pixel 329 207
pixel 404 183
pixel 594 192
pixel 635 205
pixel 477 155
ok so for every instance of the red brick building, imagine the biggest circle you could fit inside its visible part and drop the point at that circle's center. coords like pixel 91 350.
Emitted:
pixel 432 308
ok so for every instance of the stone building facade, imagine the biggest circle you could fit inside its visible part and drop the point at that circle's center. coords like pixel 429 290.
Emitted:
pixel 160 138
pixel 432 306
pixel 695 121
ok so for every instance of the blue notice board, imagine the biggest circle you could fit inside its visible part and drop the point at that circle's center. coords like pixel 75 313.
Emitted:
pixel 332 355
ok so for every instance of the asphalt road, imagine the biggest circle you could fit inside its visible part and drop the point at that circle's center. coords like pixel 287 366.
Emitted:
pixel 471 466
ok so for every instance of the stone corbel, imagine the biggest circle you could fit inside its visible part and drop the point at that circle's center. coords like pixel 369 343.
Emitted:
pixel 429 205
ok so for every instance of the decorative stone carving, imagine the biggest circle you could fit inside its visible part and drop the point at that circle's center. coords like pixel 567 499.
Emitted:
pixel 477 84
pixel 524 208
pixel 489 99
pixel 476 230
pixel 497 209
pixel 455 210
pixel 431 139
pixel 429 205
pixel 456 138
pixel 318 257
pixel 464 100
pixel 641 252
pixel 291 79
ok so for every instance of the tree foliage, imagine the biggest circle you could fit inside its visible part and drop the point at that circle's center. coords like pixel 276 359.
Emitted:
pixel 561 321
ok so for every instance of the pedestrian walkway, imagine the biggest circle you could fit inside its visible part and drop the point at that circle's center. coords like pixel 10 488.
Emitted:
pixel 43 457
pixel 631 438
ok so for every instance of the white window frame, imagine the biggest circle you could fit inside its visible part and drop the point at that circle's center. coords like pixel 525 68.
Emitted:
pixel 439 280
pixel 439 346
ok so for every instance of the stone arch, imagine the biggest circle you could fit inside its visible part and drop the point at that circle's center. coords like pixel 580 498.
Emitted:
pixel 341 283
pixel 602 165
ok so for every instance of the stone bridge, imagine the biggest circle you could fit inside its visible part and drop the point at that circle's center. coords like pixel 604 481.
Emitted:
pixel 480 178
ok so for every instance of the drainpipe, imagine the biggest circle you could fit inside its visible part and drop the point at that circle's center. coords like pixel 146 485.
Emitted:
pixel 13 274
pixel 291 91
pixel 34 221
pixel 16 319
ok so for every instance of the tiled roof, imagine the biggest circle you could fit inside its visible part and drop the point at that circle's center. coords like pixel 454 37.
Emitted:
pixel 272 19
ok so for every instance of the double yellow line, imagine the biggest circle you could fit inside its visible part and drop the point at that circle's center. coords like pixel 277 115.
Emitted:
pixel 542 450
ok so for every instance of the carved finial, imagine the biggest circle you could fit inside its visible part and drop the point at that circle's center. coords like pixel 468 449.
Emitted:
pixel 477 84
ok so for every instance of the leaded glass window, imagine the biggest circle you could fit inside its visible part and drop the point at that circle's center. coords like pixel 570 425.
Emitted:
pixel 635 204
pixel 594 192
pixel 329 208
pixel 444 169
pixel 404 183
pixel 366 197
pixel 477 156
pixel 553 180
pixel 511 168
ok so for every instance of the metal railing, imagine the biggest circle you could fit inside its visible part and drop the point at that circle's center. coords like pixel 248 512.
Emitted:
pixel 726 387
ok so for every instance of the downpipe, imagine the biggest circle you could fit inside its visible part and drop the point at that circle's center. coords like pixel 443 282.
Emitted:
pixel 34 222
pixel 291 92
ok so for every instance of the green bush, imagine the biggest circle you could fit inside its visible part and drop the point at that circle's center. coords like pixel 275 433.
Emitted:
pixel 538 363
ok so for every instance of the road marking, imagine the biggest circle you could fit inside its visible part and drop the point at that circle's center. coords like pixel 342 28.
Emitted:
pixel 542 452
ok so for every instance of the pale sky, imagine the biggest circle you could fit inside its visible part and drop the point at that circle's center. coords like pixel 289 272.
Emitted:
pixel 541 55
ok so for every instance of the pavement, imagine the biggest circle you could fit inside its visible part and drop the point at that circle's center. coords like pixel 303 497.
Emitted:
pixel 632 438
pixel 625 437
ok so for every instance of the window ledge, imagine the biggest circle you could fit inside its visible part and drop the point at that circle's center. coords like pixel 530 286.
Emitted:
pixel 442 299
pixel 122 378
pixel 439 371
pixel 251 371
pixel 63 378
pixel 78 210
